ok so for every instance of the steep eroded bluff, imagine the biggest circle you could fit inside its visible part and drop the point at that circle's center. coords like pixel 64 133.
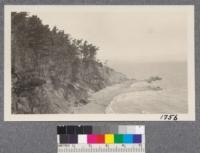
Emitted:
pixel 57 94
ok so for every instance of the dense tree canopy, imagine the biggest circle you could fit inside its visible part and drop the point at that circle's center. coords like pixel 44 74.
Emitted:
pixel 41 54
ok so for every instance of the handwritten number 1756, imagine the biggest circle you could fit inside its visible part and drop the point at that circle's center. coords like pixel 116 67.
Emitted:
pixel 169 117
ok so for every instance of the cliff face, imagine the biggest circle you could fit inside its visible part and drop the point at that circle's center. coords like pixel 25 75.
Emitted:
pixel 51 71
pixel 113 77
pixel 61 96
pixel 75 94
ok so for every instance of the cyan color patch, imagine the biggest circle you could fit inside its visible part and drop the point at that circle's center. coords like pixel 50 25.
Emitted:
pixel 128 138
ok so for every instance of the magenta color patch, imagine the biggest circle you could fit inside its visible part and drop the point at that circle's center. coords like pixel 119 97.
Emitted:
pixel 91 138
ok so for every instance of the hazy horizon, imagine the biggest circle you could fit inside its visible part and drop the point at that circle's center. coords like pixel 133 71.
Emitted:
pixel 143 70
pixel 140 35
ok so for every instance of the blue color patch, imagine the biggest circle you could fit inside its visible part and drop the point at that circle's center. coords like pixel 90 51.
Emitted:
pixel 128 138
pixel 137 138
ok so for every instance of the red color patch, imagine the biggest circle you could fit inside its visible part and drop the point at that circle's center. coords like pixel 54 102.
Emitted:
pixel 100 138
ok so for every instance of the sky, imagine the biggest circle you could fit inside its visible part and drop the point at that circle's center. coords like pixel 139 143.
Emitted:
pixel 131 34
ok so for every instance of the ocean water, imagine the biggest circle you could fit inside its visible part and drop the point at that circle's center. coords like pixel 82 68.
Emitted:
pixel 173 97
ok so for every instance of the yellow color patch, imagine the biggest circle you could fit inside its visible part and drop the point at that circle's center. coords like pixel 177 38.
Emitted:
pixel 109 138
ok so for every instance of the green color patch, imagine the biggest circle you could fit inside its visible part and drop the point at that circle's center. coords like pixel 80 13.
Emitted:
pixel 118 138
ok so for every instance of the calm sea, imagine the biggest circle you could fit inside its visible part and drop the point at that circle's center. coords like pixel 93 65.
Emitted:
pixel 174 78
pixel 174 74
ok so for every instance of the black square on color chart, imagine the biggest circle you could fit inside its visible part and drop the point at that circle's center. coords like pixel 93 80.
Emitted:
pixel 61 129
pixel 72 138
pixel 63 138
pixel 87 129
pixel 71 129
pixel 79 130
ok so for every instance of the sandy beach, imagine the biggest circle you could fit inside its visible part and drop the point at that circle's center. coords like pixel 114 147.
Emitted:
pixel 132 97
pixel 100 100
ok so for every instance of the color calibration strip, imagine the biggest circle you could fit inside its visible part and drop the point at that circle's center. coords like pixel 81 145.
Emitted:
pixel 87 138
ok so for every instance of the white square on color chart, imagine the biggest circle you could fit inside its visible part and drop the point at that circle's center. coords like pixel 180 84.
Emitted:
pixel 140 129
pixel 122 129
pixel 82 138
pixel 131 129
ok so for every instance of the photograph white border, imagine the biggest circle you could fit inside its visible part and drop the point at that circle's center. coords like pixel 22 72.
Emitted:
pixel 8 116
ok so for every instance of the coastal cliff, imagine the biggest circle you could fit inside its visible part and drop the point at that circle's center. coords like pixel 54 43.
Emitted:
pixel 51 71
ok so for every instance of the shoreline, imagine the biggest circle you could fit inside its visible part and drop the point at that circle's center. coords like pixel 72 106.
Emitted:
pixel 100 101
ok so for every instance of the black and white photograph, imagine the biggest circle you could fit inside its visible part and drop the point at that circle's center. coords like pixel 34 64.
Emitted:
pixel 99 62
